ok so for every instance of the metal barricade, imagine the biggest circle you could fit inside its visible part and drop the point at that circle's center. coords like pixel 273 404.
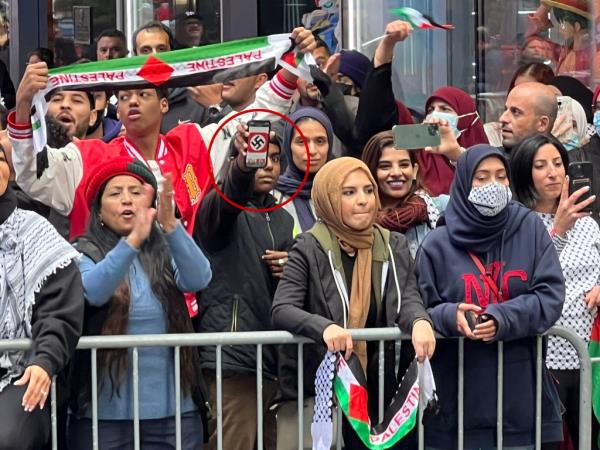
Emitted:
pixel 260 339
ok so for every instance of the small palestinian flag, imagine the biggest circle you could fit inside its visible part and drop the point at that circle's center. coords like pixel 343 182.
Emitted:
pixel 594 348
pixel 187 67
pixel 418 19
pixel 299 64
pixel 349 385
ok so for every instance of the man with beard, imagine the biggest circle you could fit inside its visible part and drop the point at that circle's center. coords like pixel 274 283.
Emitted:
pixel 75 110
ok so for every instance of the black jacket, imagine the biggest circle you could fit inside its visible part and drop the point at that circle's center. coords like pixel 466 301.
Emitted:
pixel 307 301
pixel 182 108
pixel 241 291
pixel 57 320
pixel 591 152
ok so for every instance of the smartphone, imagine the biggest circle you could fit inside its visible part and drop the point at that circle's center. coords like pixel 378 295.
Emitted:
pixel 565 110
pixel 411 137
pixel 258 143
pixel 581 174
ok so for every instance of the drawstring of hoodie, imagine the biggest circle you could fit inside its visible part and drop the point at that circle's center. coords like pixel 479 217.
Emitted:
pixel 488 261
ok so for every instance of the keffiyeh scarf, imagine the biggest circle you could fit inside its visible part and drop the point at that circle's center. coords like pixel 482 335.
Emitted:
pixel 31 250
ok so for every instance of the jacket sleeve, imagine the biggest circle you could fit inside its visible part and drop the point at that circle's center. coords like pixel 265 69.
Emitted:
pixel 290 302
pixel 536 311
pixel 57 319
pixel 50 177
pixel 442 313
pixel 190 267
pixel 334 105
pixel 377 110
pixel 216 217
pixel 411 306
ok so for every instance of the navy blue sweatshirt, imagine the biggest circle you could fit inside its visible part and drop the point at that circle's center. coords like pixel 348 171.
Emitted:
pixel 524 265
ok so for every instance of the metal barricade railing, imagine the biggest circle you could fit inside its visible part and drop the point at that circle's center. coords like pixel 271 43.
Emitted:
pixel 260 339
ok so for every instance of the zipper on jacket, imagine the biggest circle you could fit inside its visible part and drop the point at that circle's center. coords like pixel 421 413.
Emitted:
pixel 268 217
pixel 234 314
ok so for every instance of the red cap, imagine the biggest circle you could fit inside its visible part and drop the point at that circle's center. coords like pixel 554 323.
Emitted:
pixel 115 167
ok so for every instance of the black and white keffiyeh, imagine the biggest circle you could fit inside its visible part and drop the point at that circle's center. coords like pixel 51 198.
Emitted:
pixel 31 250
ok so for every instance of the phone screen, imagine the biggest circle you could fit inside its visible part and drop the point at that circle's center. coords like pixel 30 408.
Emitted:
pixel 258 144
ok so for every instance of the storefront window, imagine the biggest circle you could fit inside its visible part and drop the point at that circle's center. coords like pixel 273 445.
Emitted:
pixel 196 22
pixel 491 39
pixel 74 26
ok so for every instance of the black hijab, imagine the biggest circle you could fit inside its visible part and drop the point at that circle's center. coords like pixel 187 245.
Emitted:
pixel 467 227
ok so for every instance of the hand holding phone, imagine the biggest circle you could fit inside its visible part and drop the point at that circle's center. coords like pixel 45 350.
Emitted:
pixel 258 143
pixel 570 207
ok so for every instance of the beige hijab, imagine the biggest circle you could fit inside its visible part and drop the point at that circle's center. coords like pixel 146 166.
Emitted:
pixel 327 199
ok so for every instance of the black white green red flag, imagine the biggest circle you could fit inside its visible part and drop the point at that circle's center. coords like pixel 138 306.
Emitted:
pixel 419 20
pixel 188 67
pixel 346 379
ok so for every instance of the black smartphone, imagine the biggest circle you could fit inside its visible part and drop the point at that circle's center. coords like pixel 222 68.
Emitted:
pixel 411 137
pixel 258 143
pixel 472 319
pixel 581 174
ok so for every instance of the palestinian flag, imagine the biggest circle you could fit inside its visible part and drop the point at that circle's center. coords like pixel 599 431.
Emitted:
pixel 299 64
pixel 400 417
pixel 188 67
pixel 418 19
pixel 594 348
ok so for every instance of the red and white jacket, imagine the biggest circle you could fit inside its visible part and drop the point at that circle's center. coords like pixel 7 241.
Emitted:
pixel 182 152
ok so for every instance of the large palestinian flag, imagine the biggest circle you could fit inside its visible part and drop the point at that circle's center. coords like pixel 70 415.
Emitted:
pixel 188 67
pixel 594 348
pixel 349 385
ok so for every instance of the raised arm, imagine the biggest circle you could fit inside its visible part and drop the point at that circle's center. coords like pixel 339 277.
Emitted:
pixel 377 109
pixel 53 175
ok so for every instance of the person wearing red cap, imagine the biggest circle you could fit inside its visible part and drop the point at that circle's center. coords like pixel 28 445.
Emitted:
pixel 137 261
pixel 58 177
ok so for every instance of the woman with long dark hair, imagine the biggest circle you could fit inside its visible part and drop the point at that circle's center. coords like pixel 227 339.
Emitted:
pixel 406 206
pixel 540 182
pixel 134 273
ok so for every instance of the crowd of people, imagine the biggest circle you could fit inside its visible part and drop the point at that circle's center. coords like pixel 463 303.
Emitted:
pixel 478 237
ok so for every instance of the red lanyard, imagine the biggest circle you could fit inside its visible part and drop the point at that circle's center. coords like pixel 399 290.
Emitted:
pixel 486 278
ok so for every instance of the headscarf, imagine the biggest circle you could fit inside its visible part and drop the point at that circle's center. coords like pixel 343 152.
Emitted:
pixel 579 116
pixel 467 227
pixel 574 88
pixel 436 171
pixel 291 179
pixel 327 198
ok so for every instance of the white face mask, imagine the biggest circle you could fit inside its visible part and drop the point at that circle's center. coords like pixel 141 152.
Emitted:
pixel 453 120
pixel 491 198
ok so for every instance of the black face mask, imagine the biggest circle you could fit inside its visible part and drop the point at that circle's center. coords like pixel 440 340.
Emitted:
pixel 345 88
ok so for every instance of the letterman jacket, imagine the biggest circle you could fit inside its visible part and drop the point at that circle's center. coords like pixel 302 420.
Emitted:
pixel 58 177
